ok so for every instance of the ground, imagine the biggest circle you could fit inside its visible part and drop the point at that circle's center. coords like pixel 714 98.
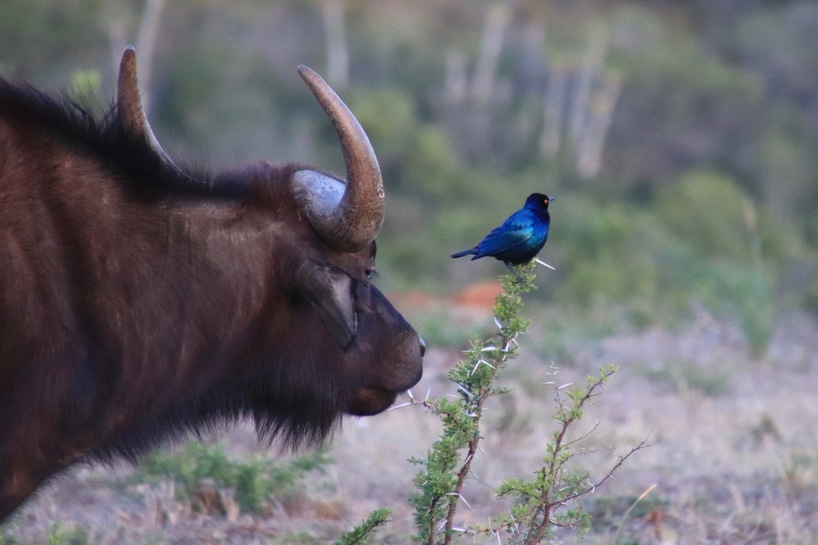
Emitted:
pixel 733 454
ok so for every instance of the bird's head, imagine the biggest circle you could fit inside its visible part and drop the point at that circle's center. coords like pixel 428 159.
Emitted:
pixel 538 201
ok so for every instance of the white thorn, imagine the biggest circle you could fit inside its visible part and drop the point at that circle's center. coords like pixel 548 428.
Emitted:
pixel 464 390
pixel 462 498
pixel 544 264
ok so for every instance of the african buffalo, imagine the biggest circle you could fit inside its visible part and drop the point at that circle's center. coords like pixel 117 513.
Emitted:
pixel 140 299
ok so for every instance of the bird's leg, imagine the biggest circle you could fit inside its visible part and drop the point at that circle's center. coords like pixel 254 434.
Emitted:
pixel 520 279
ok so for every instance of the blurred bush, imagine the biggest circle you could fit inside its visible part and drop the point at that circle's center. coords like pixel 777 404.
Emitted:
pixel 705 210
pixel 256 479
pixel 606 251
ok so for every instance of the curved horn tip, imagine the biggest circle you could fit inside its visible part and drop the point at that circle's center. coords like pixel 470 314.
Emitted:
pixel 128 99
pixel 129 103
pixel 128 57
pixel 354 218
pixel 310 76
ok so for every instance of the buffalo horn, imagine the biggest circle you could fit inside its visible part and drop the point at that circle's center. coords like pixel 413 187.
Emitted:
pixel 129 103
pixel 346 216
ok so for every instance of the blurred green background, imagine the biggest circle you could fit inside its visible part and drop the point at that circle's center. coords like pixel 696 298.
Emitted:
pixel 678 137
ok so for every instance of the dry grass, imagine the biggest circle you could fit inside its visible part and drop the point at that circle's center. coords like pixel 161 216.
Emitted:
pixel 735 459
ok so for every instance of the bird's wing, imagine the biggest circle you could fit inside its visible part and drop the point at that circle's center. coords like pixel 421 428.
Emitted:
pixel 514 232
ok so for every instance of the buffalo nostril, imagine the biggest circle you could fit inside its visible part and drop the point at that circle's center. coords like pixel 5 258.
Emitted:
pixel 422 346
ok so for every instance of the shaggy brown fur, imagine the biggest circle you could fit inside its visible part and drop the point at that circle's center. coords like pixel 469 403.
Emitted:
pixel 138 301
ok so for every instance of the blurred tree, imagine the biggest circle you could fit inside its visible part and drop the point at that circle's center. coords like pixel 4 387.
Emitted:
pixel 775 43
pixel 335 40
pixel 653 122
pixel 40 40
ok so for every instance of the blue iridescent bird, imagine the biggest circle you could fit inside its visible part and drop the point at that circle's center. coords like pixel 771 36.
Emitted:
pixel 520 237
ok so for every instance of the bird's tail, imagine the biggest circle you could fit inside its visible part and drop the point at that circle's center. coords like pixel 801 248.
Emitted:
pixel 465 252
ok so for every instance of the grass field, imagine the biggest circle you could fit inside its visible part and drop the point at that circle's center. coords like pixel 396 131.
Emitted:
pixel 734 454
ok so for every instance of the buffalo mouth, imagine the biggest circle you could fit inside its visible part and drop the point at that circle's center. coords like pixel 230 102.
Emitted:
pixel 369 401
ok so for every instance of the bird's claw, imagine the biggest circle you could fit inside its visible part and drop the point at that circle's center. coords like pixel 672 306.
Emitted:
pixel 520 279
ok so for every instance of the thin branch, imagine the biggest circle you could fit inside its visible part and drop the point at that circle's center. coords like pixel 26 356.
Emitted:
pixel 583 436
pixel 643 444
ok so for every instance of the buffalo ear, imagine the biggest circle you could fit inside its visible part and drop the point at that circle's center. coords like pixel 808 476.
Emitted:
pixel 330 292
